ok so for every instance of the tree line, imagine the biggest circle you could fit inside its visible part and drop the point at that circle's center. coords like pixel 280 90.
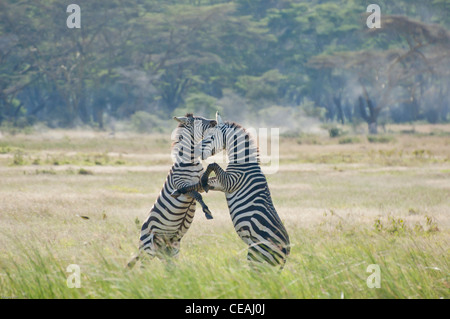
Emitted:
pixel 152 59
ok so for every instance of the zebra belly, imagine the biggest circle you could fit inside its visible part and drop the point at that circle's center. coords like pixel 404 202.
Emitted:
pixel 170 223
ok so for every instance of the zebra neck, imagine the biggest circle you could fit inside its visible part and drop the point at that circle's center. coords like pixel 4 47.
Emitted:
pixel 241 148
pixel 251 157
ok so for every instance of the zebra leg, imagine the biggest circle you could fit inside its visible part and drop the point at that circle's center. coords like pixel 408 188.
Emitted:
pixel 145 241
pixel 148 248
pixel 213 184
pixel 265 254
pixel 142 256
pixel 213 167
pixel 199 198
pixel 133 261
pixel 186 189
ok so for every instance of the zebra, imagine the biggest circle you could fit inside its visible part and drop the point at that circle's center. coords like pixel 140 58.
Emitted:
pixel 247 192
pixel 170 218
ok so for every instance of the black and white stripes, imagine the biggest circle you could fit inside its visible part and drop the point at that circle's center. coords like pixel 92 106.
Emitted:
pixel 251 208
pixel 170 218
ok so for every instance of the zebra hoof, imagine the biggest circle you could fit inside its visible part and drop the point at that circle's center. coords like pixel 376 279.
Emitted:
pixel 208 216
pixel 132 262
pixel 206 188
pixel 207 212
pixel 175 193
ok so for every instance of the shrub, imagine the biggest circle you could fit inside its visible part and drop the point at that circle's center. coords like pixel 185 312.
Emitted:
pixel 83 171
pixel 349 140
pixel 334 132
pixel 380 138
pixel 18 158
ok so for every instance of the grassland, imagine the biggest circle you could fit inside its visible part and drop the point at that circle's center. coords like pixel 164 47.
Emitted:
pixel 78 197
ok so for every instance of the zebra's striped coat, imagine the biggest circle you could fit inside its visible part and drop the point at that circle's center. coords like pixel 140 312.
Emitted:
pixel 247 193
pixel 170 218
pixel 253 214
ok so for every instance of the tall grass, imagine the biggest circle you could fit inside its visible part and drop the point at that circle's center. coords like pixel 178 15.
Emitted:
pixel 323 264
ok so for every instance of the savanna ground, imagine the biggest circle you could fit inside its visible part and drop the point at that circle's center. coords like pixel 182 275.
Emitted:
pixel 80 197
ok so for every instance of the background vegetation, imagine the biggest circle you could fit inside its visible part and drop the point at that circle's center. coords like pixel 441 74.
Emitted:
pixel 152 58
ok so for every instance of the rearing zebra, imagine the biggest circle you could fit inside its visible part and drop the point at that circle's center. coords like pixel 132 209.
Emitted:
pixel 252 211
pixel 170 218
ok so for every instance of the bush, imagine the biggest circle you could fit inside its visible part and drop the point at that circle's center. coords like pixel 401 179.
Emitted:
pixel 18 158
pixel 349 140
pixel 334 132
pixel 83 171
pixel 380 138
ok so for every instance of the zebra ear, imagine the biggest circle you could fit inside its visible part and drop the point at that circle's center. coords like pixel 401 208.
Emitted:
pixel 219 118
pixel 181 119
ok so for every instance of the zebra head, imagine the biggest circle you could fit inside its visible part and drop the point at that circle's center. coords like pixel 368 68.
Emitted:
pixel 190 131
pixel 215 140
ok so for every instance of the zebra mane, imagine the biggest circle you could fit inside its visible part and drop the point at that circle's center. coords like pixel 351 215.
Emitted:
pixel 239 126
pixel 187 115
pixel 234 124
